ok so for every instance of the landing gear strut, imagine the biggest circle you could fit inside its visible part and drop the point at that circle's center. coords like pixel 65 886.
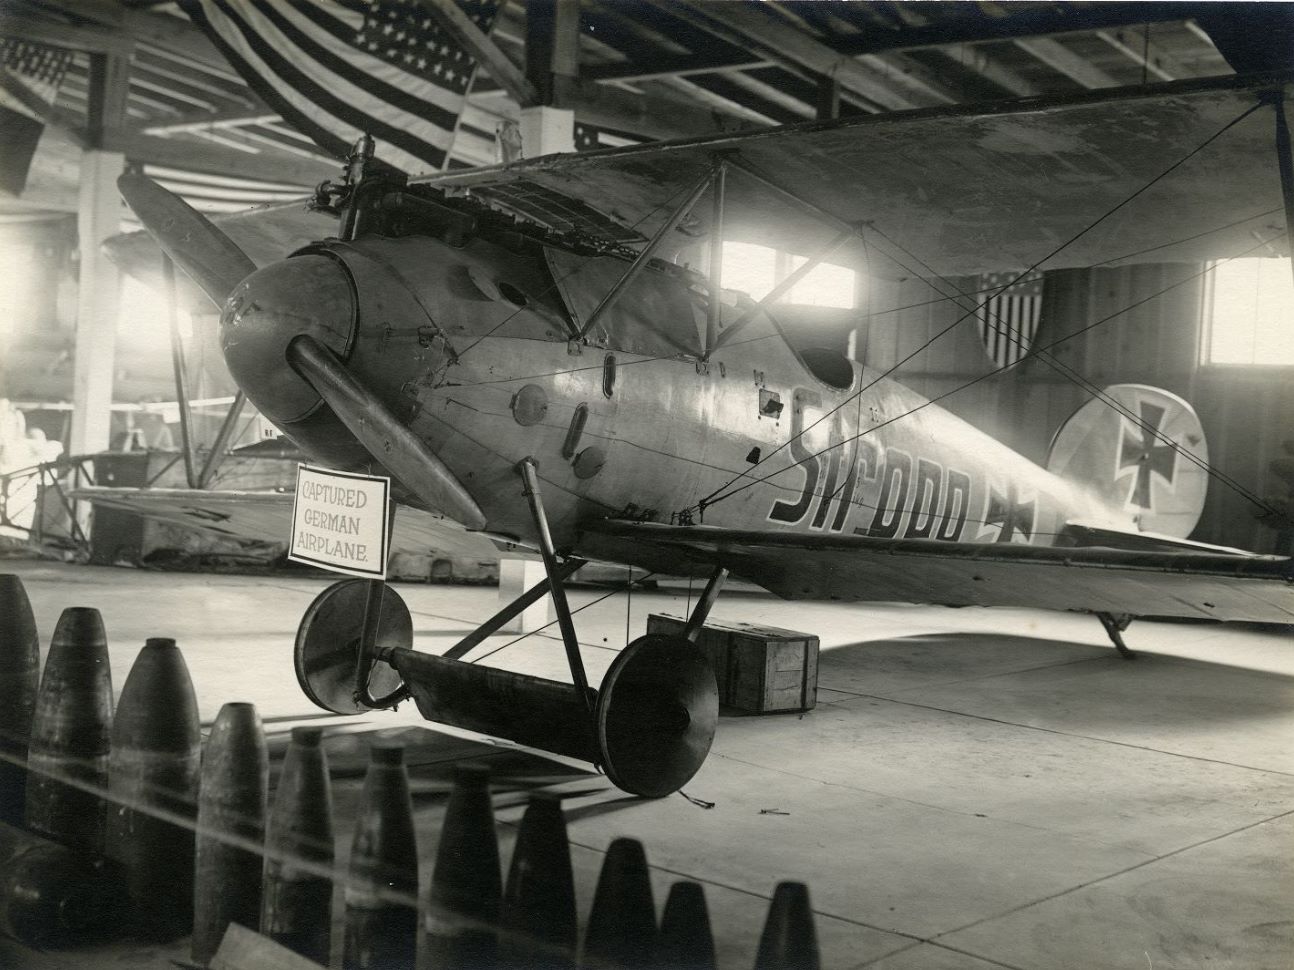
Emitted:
pixel 649 727
pixel 1115 624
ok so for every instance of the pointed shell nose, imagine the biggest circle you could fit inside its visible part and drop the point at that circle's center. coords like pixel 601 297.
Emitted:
pixel 309 294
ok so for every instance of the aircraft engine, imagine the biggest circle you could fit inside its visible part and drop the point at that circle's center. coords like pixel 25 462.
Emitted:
pixel 310 294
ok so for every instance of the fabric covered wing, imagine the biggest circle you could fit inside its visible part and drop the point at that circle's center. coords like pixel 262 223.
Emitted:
pixel 1180 584
pixel 967 189
pixel 267 517
pixel 963 189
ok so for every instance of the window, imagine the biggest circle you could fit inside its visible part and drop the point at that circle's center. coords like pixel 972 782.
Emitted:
pixel 757 269
pixel 1249 313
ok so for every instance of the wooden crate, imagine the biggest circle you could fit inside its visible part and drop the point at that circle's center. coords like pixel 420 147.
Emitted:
pixel 759 669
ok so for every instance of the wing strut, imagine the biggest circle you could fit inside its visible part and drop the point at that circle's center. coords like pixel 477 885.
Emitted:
pixel 709 596
pixel 777 292
pixel 526 468
pixel 715 311
pixel 180 372
pixel 648 251
pixel 1285 162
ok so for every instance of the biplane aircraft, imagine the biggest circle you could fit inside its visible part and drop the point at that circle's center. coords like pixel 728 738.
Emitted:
pixel 518 348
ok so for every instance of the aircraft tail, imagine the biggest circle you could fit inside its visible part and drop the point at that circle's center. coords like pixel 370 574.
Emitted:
pixel 1141 450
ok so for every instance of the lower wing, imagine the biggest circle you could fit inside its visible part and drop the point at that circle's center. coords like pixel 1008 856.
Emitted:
pixel 1219 586
pixel 267 517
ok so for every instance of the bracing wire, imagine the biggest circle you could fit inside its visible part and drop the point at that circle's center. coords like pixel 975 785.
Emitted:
pixel 998 370
pixel 711 498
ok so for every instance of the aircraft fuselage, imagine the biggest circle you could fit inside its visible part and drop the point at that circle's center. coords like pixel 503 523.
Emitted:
pixel 469 346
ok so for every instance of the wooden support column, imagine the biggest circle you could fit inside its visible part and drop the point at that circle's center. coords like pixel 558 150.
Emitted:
pixel 98 217
pixel 828 104
pixel 552 63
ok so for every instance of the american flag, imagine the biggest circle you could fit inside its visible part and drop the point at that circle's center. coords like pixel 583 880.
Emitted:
pixel 41 67
pixel 1008 318
pixel 337 69
pixel 40 70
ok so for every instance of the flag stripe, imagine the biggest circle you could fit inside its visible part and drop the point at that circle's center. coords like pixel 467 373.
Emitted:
pixel 361 72
pixel 237 53
pixel 336 69
pixel 339 35
pixel 323 98
pixel 1008 320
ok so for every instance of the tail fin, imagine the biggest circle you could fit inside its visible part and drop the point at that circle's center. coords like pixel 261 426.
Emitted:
pixel 1145 455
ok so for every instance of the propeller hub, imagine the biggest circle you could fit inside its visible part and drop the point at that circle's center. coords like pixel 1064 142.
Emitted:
pixel 308 294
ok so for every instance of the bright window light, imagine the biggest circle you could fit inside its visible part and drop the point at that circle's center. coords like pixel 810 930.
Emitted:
pixel 17 300
pixel 750 268
pixel 1252 313
pixel 826 285
pixel 142 316
pixel 757 269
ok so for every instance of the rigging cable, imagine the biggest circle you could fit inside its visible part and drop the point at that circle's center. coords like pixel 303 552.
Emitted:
pixel 719 494
pixel 998 370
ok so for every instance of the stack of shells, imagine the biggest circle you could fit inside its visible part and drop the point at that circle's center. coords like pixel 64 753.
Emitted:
pixel 201 848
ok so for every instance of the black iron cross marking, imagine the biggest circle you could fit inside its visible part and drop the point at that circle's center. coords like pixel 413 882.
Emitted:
pixel 1010 513
pixel 1143 452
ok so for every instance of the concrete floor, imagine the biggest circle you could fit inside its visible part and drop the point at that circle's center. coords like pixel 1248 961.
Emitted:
pixel 976 788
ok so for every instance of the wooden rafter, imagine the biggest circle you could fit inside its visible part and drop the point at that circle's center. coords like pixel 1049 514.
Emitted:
pixel 1064 61
pixel 742 26
pixel 486 52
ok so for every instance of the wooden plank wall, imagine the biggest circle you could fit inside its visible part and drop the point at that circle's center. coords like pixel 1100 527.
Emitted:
pixel 1144 328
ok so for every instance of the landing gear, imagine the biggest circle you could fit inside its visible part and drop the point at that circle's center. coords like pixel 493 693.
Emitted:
pixel 656 715
pixel 331 667
pixel 1115 624
pixel 649 727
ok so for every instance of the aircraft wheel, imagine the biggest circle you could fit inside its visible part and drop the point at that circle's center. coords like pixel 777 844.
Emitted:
pixel 327 645
pixel 657 711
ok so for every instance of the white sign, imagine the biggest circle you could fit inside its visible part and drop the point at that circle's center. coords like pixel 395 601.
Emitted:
pixel 340 521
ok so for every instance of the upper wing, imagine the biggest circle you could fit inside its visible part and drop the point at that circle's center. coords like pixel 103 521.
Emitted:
pixel 1139 583
pixel 267 517
pixel 963 190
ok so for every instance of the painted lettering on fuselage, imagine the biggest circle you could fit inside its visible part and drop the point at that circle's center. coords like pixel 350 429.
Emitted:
pixel 850 480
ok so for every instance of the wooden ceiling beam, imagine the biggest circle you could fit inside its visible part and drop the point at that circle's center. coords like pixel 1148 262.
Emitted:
pixel 197 82
pixel 231 117
pixel 737 24
pixel 1061 59
pixel 979 61
pixel 488 54
pixel 652 117
pixel 21 24
pixel 693 92
pixel 1144 54
pixel 1048 21
pixel 218 160
pixel 753 96
pixel 663 67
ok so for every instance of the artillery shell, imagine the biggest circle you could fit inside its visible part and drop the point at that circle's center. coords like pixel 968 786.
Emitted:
pixel 68 759
pixel 382 882
pixel 462 916
pixel 789 940
pixel 231 828
pixel 296 900
pixel 622 924
pixel 685 941
pixel 51 895
pixel 538 916
pixel 19 680
pixel 153 787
